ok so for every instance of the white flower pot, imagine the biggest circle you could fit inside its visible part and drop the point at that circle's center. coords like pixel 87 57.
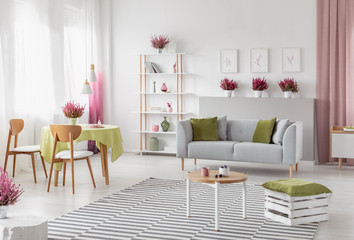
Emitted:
pixel 3 211
pixel 288 94
pixel 72 121
pixel 228 93
pixel 258 94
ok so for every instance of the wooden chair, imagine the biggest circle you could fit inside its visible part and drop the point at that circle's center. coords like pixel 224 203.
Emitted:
pixel 68 133
pixel 16 126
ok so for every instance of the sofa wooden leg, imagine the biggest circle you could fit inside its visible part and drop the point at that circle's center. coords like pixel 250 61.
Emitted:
pixel 296 167
pixel 182 162
pixel 195 161
pixel 291 171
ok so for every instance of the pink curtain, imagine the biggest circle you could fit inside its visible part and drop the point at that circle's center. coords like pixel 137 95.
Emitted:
pixel 335 70
pixel 96 107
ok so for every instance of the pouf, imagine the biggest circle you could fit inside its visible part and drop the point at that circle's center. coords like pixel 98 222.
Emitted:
pixel 293 201
pixel 23 227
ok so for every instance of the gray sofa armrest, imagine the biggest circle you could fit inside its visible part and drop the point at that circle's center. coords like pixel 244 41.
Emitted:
pixel 293 143
pixel 184 135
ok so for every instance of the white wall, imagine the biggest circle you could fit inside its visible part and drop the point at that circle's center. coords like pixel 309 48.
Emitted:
pixel 201 28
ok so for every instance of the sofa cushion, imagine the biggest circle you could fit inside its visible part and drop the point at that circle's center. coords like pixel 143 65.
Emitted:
pixel 264 131
pixel 241 130
pixel 216 150
pixel 258 152
pixel 205 129
pixel 222 127
pixel 279 130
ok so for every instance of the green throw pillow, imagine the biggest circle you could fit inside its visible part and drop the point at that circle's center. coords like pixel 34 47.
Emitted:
pixel 264 131
pixel 205 129
pixel 296 188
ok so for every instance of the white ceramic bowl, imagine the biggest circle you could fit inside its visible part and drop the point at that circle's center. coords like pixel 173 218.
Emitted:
pixel 224 171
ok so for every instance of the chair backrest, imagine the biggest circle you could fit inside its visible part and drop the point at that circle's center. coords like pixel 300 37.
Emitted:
pixel 16 126
pixel 63 132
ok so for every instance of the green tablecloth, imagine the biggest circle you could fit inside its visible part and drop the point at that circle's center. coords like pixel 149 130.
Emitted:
pixel 109 135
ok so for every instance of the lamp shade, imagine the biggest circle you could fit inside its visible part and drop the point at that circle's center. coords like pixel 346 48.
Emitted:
pixel 93 74
pixel 86 89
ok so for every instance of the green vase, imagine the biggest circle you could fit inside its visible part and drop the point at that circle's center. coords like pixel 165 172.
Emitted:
pixel 165 125
pixel 72 121
pixel 154 144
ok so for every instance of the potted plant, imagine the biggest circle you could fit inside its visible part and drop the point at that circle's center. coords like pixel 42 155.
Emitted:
pixel 259 85
pixel 288 86
pixel 9 193
pixel 228 86
pixel 73 111
pixel 159 42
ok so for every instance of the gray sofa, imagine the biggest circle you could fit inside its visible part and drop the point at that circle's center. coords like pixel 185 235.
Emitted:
pixel 239 146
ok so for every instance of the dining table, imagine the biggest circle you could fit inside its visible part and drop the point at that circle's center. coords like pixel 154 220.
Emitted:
pixel 106 136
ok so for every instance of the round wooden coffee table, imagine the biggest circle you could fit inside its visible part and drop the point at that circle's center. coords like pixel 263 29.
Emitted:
pixel 234 177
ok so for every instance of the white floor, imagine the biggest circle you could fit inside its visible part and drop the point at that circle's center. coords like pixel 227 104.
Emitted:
pixel 132 168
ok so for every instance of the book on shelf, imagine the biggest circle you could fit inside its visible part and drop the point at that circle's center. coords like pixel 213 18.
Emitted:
pixel 156 69
pixel 149 67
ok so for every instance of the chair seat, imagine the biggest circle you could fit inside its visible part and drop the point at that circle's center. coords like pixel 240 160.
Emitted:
pixel 33 148
pixel 77 154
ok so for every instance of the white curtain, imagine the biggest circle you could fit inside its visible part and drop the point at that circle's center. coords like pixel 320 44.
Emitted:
pixel 42 62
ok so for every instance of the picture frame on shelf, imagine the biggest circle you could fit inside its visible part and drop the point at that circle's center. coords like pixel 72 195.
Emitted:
pixel 228 61
pixel 291 60
pixel 259 60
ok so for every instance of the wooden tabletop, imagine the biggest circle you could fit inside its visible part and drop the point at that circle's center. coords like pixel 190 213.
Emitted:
pixel 340 129
pixel 235 177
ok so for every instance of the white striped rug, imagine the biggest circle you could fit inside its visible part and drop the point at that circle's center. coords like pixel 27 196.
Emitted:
pixel 155 209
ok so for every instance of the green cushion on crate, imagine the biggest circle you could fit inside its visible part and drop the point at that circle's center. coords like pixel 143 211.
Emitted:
pixel 296 187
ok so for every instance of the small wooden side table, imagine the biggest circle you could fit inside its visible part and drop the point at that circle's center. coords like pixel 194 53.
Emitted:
pixel 234 177
pixel 342 144
pixel 23 227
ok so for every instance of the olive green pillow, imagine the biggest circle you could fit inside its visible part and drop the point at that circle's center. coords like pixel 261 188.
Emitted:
pixel 205 129
pixel 296 188
pixel 264 131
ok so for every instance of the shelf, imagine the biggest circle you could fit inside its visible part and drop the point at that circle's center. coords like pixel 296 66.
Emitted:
pixel 160 54
pixel 152 132
pixel 163 73
pixel 158 152
pixel 165 113
pixel 162 93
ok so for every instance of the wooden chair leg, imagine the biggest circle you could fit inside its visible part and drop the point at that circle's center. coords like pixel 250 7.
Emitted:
pixel 34 168
pixel 291 171
pixel 195 161
pixel 297 167
pixel 64 173
pixel 13 170
pixel 182 162
pixel 6 158
pixel 89 166
pixel 50 175
pixel 72 176
pixel 339 163
pixel 44 168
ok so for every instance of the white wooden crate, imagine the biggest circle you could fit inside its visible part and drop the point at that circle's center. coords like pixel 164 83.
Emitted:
pixel 292 211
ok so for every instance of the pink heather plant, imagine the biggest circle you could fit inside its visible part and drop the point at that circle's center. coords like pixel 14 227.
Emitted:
pixel 227 84
pixel 288 84
pixel 169 104
pixel 9 192
pixel 160 41
pixel 73 110
pixel 259 84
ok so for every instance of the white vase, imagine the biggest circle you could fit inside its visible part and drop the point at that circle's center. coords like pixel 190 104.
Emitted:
pixel 228 93
pixel 258 94
pixel 159 50
pixel 72 121
pixel 288 94
pixel 3 211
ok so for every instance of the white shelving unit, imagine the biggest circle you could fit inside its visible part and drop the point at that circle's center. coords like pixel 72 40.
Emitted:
pixel 146 96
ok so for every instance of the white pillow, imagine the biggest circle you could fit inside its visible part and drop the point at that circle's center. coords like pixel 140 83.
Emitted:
pixel 222 128
pixel 279 130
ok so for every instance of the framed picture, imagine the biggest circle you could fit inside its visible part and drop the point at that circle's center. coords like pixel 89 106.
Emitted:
pixel 291 60
pixel 228 60
pixel 259 60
